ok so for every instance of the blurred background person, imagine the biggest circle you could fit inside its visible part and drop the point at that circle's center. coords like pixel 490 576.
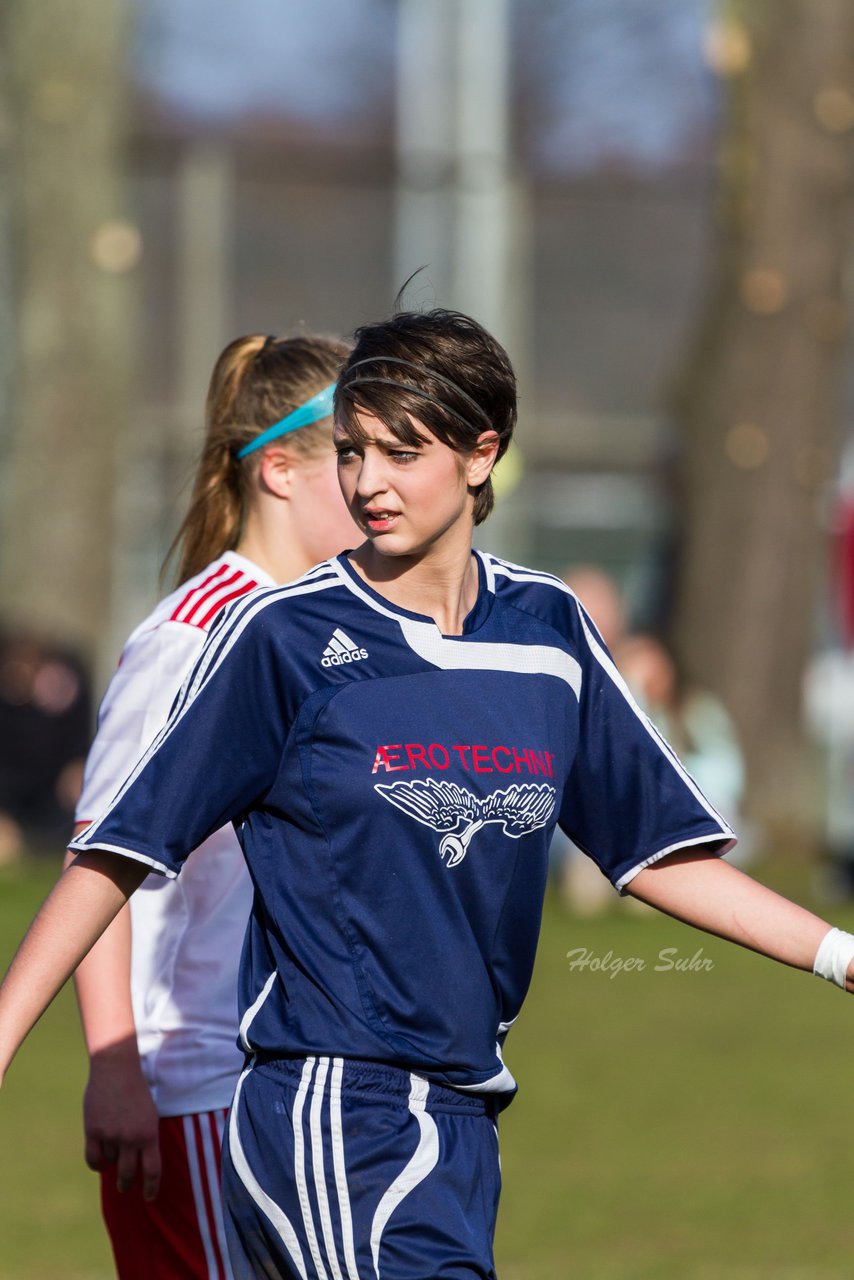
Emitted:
pixel 829 694
pixel 582 887
pixel 693 722
pixel 45 726
pixel 603 599
pixel 158 995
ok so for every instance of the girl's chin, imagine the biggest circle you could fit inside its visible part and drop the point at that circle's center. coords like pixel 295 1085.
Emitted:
pixel 390 548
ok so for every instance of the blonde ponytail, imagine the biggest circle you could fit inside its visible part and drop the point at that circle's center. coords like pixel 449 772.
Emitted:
pixel 255 382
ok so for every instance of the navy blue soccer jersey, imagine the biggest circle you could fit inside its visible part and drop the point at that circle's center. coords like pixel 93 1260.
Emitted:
pixel 394 791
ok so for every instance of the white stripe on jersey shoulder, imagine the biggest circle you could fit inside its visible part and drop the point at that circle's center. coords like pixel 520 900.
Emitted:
pixel 220 642
pixel 233 624
pixel 316 571
pixel 488 562
pixel 521 573
pixel 462 653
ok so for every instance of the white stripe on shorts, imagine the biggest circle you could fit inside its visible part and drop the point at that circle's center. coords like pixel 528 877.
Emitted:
pixel 317 1163
pixel 423 1162
pixel 279 1219
pixel 212 1126
pixel 340 1167
pixel 299 1170
pixel 204 1177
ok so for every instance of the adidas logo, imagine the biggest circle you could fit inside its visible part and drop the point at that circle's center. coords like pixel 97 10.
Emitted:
pixel 340 650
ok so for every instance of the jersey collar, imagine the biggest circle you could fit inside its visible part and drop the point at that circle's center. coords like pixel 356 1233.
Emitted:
pixel 474 619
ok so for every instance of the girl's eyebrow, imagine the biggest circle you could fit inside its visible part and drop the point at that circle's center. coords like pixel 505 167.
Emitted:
pixel 388 442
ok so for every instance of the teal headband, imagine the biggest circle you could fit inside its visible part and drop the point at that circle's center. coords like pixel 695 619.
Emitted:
pixel 319 406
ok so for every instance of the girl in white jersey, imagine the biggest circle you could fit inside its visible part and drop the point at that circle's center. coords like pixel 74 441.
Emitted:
pixel 158 994
pixel 396 736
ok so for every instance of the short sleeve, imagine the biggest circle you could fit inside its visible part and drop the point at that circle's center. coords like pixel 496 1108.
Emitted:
pixel 628 800
pixel 135 708
pixel 218 753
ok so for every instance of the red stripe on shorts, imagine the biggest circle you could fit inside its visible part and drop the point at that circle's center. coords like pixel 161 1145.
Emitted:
pixel 209 1194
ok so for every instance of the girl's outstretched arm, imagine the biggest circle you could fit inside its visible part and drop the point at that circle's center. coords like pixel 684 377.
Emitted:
pixel 120 1120
pixel 700 889
pixel 87 896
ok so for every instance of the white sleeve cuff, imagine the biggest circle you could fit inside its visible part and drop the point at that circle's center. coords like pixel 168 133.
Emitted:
pixel 834 956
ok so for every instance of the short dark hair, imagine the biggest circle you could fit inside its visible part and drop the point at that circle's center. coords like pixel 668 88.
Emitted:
pixel 439 367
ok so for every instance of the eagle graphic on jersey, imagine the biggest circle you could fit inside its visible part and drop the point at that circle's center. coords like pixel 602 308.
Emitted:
pixel 447 807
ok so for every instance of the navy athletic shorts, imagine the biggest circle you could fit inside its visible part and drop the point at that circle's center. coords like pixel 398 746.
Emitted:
pixel 335 1169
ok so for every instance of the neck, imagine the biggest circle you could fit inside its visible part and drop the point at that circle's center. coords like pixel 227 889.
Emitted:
pixel 443 585
pixel 267 545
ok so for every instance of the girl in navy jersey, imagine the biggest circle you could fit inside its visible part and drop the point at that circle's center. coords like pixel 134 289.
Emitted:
pixel 158 994
pixel 395 737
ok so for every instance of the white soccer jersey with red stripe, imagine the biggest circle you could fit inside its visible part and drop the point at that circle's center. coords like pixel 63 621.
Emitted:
pixel 187 933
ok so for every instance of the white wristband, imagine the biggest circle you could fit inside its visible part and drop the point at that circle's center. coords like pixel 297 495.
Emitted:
pixel 834 956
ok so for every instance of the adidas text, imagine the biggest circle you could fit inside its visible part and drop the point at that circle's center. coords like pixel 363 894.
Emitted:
pixel 336 659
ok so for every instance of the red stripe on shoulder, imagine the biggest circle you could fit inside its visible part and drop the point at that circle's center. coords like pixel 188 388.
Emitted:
pixel 198 607
pixel 192 597
pixel 241 590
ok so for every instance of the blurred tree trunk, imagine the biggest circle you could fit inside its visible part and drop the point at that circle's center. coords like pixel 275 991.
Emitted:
pixel 757 401
pixel 7 331
pixel 64 81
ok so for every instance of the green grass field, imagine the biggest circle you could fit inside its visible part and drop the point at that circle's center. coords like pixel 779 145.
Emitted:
pixel 674 1124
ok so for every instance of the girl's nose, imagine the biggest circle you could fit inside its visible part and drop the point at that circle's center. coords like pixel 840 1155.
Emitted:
pixel 371 479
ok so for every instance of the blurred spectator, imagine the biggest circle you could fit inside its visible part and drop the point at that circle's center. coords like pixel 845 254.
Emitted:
pixel 829 697
pixel 694 723
pixel 602 599
pixel 45 714
pixel 583 888
pixel 829 704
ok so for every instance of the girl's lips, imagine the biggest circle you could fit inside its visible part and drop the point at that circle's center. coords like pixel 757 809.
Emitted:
pixel 380 521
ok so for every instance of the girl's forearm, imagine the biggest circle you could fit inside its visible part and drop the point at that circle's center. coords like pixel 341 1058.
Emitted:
pixel 102 983
pixel 88 895
pixel 700 889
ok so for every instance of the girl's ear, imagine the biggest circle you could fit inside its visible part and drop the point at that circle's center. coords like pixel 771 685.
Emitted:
pixel 276 471
pixel 482 457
